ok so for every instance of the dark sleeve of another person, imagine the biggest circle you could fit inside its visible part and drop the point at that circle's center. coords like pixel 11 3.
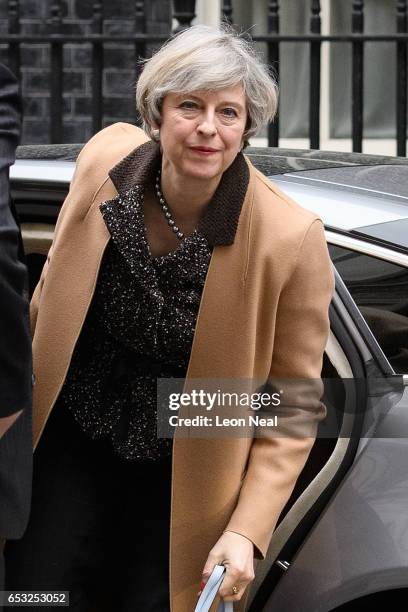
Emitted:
pixel 15 342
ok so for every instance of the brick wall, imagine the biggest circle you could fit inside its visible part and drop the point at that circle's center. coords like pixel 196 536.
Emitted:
pixel 119 64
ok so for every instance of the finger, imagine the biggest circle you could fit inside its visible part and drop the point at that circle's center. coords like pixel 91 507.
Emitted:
pixel 232 596
pixel 208 569
pixel 235 590
pixel 235 580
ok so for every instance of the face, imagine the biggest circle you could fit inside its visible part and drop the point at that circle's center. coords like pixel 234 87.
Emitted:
pixel 202 132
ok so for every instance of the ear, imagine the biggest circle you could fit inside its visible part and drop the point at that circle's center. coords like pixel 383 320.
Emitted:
pixel 155 131
pixel 155 134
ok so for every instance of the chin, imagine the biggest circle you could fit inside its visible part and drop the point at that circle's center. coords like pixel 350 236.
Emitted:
pixel 203 173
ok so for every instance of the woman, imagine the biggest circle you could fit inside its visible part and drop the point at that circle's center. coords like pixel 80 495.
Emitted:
pixel 172 257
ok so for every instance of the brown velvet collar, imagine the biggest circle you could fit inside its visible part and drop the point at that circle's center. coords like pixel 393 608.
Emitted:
pixel 220 220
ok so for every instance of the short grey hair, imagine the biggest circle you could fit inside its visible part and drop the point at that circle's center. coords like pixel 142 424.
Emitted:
pixel 207 59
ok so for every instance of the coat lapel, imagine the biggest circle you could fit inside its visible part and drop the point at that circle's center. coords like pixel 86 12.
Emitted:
pixel 217 353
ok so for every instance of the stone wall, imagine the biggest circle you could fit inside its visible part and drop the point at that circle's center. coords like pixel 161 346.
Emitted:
pixel 119 64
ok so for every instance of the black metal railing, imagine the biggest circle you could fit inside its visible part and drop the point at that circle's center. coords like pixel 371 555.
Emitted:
pixel 183 12
pixel 357 38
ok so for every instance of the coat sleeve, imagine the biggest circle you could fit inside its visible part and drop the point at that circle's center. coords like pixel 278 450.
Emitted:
pixel 15 348
pixel 279 454
pixel 36 297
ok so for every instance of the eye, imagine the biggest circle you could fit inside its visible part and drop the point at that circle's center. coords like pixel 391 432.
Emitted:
pixel 229 112
pixel 188 105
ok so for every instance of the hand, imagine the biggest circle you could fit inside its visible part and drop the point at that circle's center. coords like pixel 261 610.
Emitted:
pixel 236 553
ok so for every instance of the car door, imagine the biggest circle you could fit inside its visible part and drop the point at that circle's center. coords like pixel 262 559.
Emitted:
pixel 357 550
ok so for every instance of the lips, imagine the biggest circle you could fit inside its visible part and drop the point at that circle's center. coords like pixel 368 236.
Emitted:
pixel 210 149
pixel 204 150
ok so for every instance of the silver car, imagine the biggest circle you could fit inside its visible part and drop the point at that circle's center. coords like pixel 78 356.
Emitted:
pixel 342 540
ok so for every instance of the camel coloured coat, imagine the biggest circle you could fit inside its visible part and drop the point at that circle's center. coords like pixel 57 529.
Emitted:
pixel 263 314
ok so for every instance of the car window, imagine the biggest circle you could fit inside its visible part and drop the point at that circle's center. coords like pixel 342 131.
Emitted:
pixel 380 290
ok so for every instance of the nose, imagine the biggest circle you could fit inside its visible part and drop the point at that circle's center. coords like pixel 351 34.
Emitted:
pixel 207 126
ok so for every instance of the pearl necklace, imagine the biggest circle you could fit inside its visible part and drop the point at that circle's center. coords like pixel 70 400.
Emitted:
pixel 166 210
